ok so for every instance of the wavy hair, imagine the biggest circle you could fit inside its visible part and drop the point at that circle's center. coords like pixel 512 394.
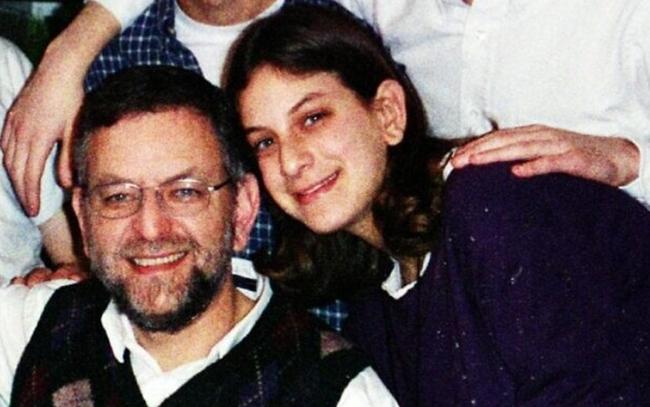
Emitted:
pixel 302 39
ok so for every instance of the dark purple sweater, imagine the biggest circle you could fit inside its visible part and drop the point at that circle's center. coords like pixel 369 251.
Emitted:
pixel 539 295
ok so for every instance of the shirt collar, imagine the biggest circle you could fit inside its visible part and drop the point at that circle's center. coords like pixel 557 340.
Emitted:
pixel 165 16
pixel 393 284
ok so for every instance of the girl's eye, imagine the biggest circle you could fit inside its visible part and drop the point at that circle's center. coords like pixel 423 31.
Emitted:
pixel 313 119
pixel 262 145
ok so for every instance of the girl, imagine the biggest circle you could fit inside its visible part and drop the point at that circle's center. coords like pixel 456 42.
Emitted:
pixel 501 291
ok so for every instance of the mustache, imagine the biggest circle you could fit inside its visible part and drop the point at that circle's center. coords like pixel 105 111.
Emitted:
pixel 137 247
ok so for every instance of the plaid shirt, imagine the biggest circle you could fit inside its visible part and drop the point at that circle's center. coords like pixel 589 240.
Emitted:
pixel 151 40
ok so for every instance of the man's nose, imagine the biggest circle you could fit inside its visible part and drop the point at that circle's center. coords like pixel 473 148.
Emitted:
pixel 151 220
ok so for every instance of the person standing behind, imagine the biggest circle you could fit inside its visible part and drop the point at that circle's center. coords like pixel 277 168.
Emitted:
pixel 22 238
pixel 563 86
pixel 566 79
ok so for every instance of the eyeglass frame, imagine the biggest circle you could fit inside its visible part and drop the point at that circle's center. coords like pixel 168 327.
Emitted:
pixel 162 202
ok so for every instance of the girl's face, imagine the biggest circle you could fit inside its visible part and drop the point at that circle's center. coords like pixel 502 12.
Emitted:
pixel 322 151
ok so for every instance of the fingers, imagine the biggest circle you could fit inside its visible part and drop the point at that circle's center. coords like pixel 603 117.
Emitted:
pixel 16 169
pixel 15 161
pixel 505 146
pixel 18 280
pixel 494 142
pixel 36 276
pixel 65 158
pixel 41 275
pixel 576 163
pixel 35 156
pixel 69 272
pixel 8 144
pixel 542 165
pixel 24 159
pixel 516 152
pixel 42 114
pixel 545 150
pixel 7 131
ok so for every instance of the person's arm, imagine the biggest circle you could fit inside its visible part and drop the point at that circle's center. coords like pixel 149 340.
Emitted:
pixel 558 268
pixel 619 160
pixel 614 161
pixel 46 107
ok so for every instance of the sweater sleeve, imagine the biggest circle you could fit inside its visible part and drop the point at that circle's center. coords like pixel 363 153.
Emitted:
pixel 558 268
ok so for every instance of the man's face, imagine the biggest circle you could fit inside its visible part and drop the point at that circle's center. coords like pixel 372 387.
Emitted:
pixel 163 269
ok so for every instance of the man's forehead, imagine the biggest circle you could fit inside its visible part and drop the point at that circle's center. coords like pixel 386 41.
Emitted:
pixel 155 145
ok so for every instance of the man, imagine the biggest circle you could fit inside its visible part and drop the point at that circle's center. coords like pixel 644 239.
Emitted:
pixel 194 35
pixel 163 200
pixel 22 238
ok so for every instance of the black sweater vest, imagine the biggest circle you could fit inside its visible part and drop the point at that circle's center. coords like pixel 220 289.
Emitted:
pixel 286 360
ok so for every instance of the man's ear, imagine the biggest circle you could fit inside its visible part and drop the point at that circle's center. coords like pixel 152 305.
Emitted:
pixel 246 209
pixel 79 208
pixel 390 105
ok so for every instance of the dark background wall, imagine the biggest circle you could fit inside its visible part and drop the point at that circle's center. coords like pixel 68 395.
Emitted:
pixel 32 33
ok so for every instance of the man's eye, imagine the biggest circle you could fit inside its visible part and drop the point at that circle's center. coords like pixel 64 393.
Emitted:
pixel 118 198
pixel 186 194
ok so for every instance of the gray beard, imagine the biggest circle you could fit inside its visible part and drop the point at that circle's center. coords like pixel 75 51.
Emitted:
pixel 202 289
pixel 203 285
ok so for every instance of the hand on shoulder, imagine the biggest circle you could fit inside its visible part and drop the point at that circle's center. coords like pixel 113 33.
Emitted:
pixel 39 275
pixel 542 150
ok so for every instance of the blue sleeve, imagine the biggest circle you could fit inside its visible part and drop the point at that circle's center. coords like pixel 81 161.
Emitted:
pixel 109 61
pixel 558 270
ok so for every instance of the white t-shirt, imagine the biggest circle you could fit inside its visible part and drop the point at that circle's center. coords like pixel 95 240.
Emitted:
pixel 577 65
pixel 21 309
pixel 20 238
pixel 210 43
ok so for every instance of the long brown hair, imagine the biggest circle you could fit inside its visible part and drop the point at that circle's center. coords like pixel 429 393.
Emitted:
pixel 302 39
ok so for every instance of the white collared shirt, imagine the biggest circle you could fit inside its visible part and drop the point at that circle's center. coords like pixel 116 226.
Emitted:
pixel 394 285
pixel 21 308
pixel 576 65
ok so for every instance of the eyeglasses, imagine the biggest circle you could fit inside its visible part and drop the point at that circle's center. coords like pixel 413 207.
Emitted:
pixel 185 197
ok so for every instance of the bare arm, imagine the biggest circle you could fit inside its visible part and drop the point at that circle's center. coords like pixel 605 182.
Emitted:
pixel 45 109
